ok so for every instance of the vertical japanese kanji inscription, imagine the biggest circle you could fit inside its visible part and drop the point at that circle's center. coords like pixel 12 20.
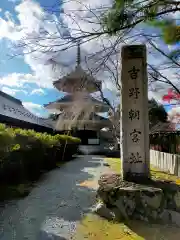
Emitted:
pixel 134 113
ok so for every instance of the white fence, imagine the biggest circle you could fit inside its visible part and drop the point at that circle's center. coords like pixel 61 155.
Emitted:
pixel 166 162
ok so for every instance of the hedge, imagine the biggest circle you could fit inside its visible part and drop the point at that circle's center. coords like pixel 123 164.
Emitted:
pixel 25 154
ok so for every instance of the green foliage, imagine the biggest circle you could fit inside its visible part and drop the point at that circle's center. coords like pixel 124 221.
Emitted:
pixel 24 154
pixel 53 116
pixel 7 138
pixel 126 14
pixel 15 147
pixel 171 35
pixel 67 139
pixel 114 20
pixel 157 113
pixel 122 3
pixel 170 31
pixel 163 24
pixel 47 139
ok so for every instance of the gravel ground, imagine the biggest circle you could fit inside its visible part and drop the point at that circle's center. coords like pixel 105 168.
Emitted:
pixel 55 206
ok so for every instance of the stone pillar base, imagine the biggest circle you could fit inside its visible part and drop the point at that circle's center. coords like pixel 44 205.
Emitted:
pixel 137 178
pixel 155 202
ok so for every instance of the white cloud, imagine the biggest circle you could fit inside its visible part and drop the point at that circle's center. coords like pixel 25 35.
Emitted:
pixel 12 91
pixel 30 15
pixel 80 12
pixel 35 24
pixel 36 109
pixel 13 1
pixel 38 91
pixel 7 29
pixel 32 107
pixel 174 114
pixel 13 80
pixel 9 91
pixel 19 79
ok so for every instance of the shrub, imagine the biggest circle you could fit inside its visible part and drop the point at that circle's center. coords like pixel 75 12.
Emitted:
pixel 25 154
pixel 67 139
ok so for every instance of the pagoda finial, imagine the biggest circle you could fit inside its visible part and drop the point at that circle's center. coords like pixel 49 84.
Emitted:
pixel 78 53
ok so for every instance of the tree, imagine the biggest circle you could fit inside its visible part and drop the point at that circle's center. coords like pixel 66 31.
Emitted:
pixel 126 14
pixel 174 114
pixel 53 116
pixel 109 27
pixel 157 113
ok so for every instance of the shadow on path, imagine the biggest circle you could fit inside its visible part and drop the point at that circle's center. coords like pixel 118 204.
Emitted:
pixel 53 208
pixel 45 236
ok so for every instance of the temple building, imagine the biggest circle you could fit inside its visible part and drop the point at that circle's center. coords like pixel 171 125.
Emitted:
pixel 14 114
pixel 78 109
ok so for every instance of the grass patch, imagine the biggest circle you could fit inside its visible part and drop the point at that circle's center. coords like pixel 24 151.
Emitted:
pixel 115 164
pixel 93 227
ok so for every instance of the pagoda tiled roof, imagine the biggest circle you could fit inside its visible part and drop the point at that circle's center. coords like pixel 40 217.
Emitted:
pixel 75 77
pixel 71 98
pixel 97 117
pixel 78 73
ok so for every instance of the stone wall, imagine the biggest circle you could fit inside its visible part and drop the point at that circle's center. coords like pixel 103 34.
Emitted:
pixel 155 201
pixel 166 162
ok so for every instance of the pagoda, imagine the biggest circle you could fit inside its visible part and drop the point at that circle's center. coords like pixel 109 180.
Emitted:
pixel 78 110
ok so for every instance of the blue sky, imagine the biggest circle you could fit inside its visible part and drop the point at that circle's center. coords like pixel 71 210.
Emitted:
pixel 23 76
pixel 9 64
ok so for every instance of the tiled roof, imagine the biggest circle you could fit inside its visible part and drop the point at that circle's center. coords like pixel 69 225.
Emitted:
pixel 70 98
pixel 163 127
pixel 77 79
pixel 13 108
pixel 97 117
pixel 78 73
pixel 15 100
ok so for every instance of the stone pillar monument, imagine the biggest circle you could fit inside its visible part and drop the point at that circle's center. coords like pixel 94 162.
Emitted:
pixel 134 114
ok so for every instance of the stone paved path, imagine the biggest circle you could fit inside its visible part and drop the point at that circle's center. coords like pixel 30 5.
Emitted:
pixel 55 206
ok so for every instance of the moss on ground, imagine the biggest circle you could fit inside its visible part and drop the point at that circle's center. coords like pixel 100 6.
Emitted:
pixel 94 227
pixel 115 164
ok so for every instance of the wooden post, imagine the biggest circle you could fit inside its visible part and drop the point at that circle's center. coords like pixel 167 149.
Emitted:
pixel 134 114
